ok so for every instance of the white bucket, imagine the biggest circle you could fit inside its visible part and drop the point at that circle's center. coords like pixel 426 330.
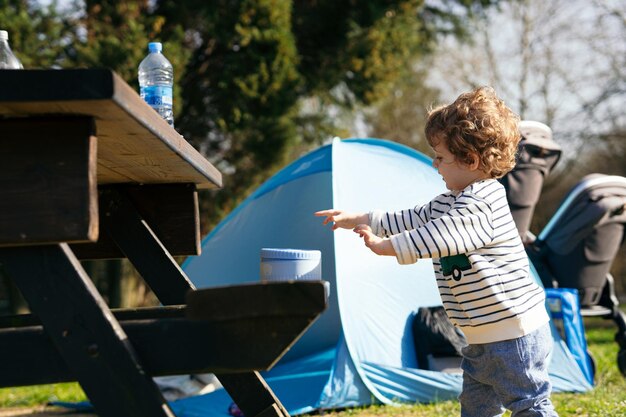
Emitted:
pixel 290 264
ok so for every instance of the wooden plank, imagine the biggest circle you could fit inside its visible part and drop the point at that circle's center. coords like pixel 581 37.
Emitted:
pixel 223 304
pixel 83 331
pixel 48 181
pixel 250 338
pixel 262 299
pixel 125 314
pixel 164 347
pixel 135 144
pixel 170 210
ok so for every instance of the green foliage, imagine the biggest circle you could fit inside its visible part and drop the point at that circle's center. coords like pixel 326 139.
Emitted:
pixel 41 395
pixel 117 37
pixel 240 91
pixel 359 44
pixel 252 82
pixel 38 36
pixel 401 115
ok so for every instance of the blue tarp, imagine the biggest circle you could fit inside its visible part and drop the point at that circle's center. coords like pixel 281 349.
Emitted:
pixel 361 349
pixel 564 309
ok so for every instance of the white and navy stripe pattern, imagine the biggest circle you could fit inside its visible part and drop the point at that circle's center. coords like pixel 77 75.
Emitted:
pixel 493 298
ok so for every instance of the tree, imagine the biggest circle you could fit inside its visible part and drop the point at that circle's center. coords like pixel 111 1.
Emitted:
pixel 559 62
pixel 115 34
pixel 38 36
pixel 401 115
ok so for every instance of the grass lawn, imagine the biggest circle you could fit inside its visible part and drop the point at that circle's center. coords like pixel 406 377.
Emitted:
pixel 608 399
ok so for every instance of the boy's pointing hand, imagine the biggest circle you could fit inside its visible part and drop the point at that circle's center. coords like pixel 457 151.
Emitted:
pixel 341 218
pixel 377 244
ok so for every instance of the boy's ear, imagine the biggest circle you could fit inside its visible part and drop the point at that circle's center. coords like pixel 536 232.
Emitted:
pixel 473 161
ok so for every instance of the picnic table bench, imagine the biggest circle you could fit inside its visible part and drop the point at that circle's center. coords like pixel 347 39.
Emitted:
pixel 90 171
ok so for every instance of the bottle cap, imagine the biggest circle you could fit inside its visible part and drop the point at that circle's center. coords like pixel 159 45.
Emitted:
pixel 4 35
pixel 155 47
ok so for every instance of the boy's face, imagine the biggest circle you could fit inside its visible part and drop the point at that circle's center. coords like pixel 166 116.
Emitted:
pixel 457 175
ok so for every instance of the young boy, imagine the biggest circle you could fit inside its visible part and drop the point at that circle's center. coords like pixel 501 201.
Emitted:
pixel 479 260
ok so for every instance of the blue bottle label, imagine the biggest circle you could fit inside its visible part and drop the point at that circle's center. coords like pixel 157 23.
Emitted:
pixel 157 95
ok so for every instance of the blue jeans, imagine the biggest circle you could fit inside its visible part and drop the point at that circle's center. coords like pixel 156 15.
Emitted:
pixel 511 374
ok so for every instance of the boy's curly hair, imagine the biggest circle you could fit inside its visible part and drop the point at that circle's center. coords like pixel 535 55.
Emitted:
pixel 477 122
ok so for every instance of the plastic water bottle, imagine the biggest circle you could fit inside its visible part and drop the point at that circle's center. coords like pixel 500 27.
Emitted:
pixel 156 79
pixel 7 59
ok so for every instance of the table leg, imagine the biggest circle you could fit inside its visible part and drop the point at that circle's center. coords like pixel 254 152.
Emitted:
pixel 84 331
pixel 252 395
pixel 123 223
pixel 170 284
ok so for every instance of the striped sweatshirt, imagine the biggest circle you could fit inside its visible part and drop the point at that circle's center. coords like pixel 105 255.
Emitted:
pixel 479 260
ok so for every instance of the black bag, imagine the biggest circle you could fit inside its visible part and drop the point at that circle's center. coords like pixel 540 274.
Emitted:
pixel 434 334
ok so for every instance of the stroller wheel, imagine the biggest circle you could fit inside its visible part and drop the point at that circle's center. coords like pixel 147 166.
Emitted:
pixel 621 361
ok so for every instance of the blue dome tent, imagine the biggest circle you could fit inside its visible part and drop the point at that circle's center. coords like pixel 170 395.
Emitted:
pixel 360 351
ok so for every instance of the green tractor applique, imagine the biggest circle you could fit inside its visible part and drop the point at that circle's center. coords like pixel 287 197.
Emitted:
pixel 454 265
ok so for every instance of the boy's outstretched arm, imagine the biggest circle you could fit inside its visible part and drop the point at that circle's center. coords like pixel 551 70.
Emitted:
pixel 342 219
pixel 378 245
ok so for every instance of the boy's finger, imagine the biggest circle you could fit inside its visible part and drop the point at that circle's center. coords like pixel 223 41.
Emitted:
pixel 326 213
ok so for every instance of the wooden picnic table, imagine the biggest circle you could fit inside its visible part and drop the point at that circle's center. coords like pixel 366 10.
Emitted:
pixel 90 171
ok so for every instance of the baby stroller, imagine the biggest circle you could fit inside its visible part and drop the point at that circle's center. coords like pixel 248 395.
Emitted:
pixel 578 245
